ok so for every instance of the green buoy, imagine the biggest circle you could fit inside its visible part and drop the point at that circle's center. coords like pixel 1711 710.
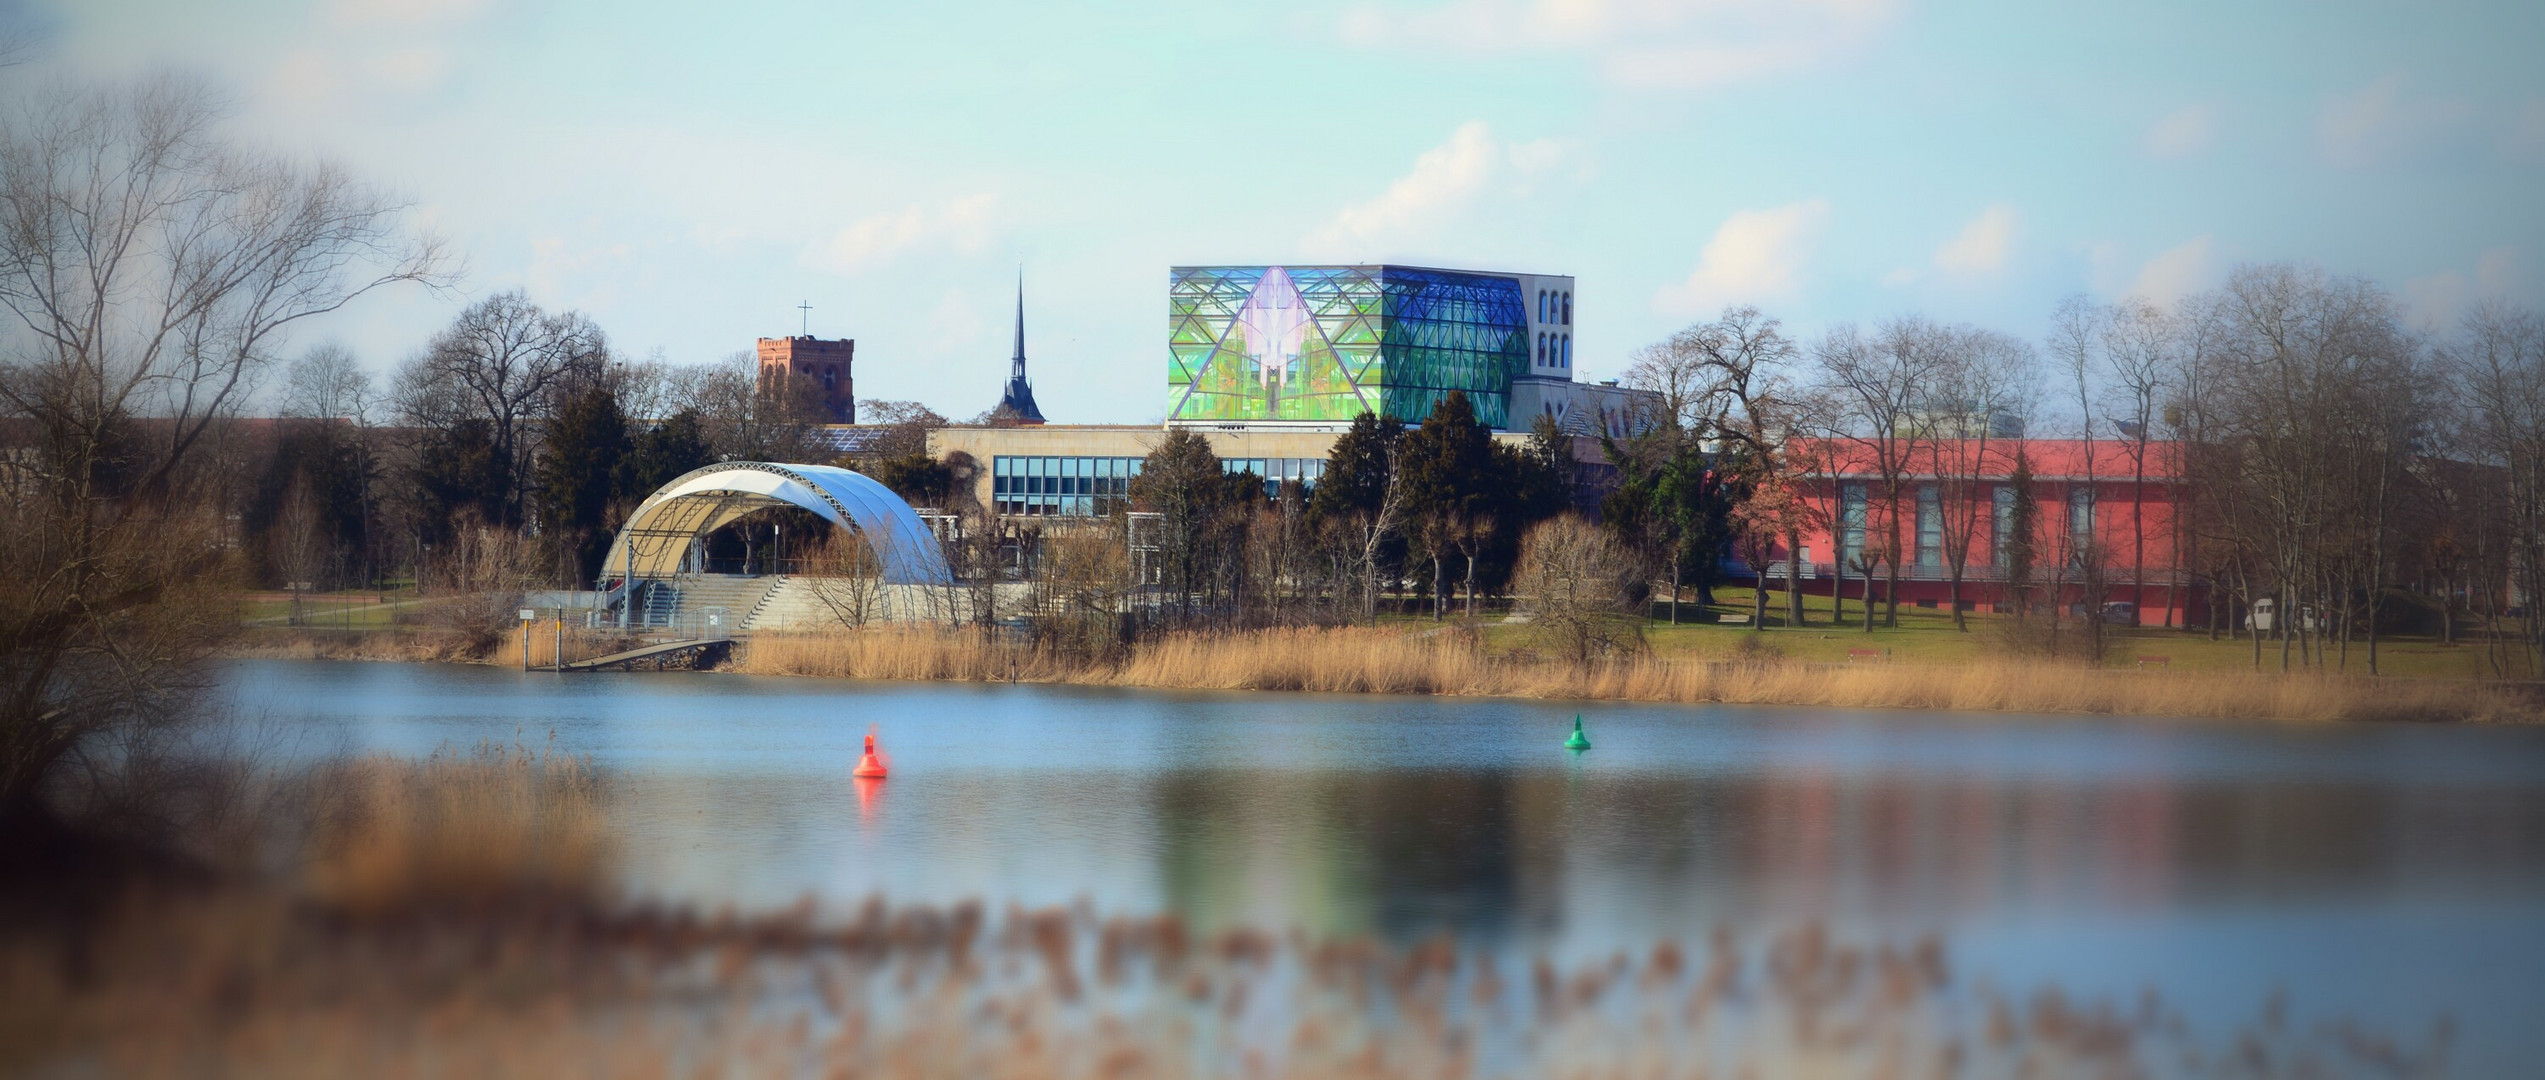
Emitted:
pixel 1579 741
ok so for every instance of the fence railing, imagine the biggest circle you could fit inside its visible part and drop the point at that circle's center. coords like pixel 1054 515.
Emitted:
pixel 1976 572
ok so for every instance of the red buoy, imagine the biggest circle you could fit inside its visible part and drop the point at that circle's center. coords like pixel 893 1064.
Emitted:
pixel 871 765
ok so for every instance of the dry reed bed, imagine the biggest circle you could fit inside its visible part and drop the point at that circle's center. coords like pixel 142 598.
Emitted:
pixel 409 645
pixel 454 917
pixel 1355 660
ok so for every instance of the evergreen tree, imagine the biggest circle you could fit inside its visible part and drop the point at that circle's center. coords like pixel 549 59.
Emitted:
pixel 587 439
pixel 2023 517
pixel 460 472
pixel 1351 504
pixel 661 453
pixel 1357 470
pixel 1551 451
pixel 323 468
pixel 1449 475
pixel 917 478
pixel 1674 503
pixel 1528 486
pixel 1203 511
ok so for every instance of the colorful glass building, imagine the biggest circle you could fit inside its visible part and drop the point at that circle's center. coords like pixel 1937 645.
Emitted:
pixel 1280 345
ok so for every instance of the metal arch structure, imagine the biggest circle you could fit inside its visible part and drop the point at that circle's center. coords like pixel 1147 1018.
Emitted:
pixel 656 539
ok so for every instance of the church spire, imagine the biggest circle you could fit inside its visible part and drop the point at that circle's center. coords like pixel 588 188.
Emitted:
pixel 1017 405
pixel 1018 370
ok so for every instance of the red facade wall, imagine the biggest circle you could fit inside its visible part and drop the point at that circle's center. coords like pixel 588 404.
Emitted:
pixel 1952 487
pixel 806 361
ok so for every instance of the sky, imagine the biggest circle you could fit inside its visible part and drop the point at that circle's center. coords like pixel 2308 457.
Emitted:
pixel 688 174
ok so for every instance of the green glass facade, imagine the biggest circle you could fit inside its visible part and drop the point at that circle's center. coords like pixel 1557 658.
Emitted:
pixel 1328 343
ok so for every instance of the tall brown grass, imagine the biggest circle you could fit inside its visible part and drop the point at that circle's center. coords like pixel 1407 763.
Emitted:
pixel 1355 660
pixel 406 644
pixel 497 825
pixel 449 921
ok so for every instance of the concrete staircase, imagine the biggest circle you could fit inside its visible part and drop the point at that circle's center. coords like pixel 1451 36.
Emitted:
pixel 682 605
pixel 792 605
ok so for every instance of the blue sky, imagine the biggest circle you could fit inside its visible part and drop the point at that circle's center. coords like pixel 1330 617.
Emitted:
pixel 688 173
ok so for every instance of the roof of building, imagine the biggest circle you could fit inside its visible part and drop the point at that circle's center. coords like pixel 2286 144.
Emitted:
pixel 2105 460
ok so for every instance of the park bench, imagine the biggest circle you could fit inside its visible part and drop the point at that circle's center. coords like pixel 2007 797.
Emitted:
pixel 2146 662
pixel 1736 618
pixel 1875 655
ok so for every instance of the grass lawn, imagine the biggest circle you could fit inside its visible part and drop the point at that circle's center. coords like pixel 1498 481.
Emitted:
pixel 1927 636
pixel 351 610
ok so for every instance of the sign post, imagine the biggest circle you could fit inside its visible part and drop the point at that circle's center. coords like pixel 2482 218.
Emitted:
pixel 526 616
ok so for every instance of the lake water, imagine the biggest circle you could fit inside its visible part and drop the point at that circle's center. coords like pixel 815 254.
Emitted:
pixel 2391 873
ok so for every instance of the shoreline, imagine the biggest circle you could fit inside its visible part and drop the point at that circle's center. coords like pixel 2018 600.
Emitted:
pixel 1355 660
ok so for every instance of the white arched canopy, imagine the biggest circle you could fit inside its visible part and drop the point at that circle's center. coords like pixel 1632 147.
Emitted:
pixel 656 538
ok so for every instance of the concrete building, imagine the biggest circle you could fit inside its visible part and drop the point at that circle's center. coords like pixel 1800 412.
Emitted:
pixel 795 362
pixel 1272 362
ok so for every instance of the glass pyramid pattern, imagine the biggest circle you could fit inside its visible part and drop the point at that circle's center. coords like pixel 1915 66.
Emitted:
pixel 1327 343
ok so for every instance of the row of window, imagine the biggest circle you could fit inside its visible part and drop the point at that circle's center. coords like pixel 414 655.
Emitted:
pixel 1041 486
pixel 1303 471
pixel 1555 307
pixel 1048 486
pixel 1852 507
pixel 1555 350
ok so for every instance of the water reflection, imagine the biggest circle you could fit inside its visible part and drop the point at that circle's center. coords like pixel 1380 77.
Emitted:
pixel 2384 868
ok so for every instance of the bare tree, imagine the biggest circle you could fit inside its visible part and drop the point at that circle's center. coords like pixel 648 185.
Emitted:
pixel 502 361
pixel 328 384
pixel 2304 361
pixel 846 579
pixel 1573 581
pixel 150 270
pixel 906 426
pixel 1751 404
pixel 2122 359
pixel 1080 588
pixel 2498 357
pixel 1881 385
pixel 328 387
pixel 745 420
pixel 1677 370
pixel 1982 396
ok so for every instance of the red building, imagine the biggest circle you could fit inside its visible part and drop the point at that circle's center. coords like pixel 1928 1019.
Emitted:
pixel 815 362
pixel 2104 534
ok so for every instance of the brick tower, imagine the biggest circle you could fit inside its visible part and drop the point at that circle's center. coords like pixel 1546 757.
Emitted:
pixel 822 364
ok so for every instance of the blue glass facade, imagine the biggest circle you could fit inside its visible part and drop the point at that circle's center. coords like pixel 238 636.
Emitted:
pixel 1277 470
pixel 1042 486
pixel 1084 486
pixel 1328 343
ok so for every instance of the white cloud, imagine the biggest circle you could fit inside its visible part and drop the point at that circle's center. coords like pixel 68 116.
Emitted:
pixel 2183 132
pixel 2439 298
pixel 581 270
pixel 1445 182
pixel 1653 43
pixel 2177 273
pixel 405 12
pixel 2525 134
pixel 956 322
pixel 2383 121
pixel 1984 245
pixel 962 225
pixel 1755 255
pixel 361 51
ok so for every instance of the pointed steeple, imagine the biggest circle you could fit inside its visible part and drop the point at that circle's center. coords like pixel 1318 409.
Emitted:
pixel 1016 406
pixel 1017 370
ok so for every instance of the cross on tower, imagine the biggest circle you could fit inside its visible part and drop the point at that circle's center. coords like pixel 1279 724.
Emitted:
pixel 807 308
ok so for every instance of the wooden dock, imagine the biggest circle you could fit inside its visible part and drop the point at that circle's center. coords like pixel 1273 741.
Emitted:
pixel 660 655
